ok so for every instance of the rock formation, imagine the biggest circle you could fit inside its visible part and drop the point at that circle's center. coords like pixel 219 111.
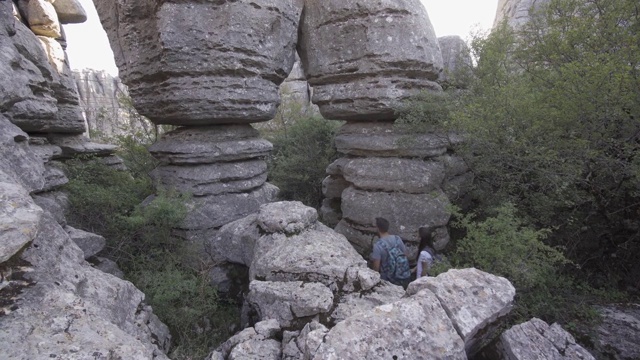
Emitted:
pixel 516 12
pixel 618 333
pixel 52 302
pixel 104 100
pixel 457 62
pixel 310 288
pixel 535 339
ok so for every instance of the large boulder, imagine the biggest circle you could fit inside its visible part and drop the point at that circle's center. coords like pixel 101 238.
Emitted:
pixel 456 57
pixel 70 11
pixel 164 51
pixel 415 327
pixel 65 308
pixel 474 301
pixel 259 342
pixel 618 333
pixel 363 58
pixel 535 339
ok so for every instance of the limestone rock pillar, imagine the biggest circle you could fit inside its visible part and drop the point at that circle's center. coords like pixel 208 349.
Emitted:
pixel 362 60
pixel 212 69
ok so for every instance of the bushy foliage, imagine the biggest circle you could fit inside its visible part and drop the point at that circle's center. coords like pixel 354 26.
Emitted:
pixel 302 150
pixel 139 238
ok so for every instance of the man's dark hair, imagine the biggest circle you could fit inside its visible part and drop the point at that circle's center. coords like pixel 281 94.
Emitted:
pixel 382 224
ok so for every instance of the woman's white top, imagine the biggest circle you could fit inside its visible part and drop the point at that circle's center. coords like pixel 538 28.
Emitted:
pixel 424 257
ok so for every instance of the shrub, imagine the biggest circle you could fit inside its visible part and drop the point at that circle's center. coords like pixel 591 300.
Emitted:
pixel 302 151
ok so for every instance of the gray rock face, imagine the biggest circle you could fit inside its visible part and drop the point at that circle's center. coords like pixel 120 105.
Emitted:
pixel 397 330
pixel 456 57
pixel 535 339
pixel 89 243
pixel 258 342
pixel 19 162
pixel 473 300
pixel 70 309
pixel 41 96
pixel 394 174
pixel 70 11
pixel 74 145
pixel 408 179
pixel 363 58
pixel 618 334
pixel 164 52
pixel 206 145
pixel 383 140
pixel 289 302
pixel 55 203
pixel 101 99
pixel 516 12
pixel 286 217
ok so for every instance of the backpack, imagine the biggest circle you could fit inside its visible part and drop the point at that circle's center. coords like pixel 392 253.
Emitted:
pixel 397 266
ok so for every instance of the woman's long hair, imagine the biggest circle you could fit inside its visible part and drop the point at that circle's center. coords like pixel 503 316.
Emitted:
pixel 426 240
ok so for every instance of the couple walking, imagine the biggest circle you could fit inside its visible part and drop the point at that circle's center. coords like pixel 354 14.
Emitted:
pixel 390 255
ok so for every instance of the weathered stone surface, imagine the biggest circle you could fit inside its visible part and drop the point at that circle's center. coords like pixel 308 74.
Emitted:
pixel 213 179
pixel 55 52
pixel 215 211
pixel 405 212
pixel 268 349
pixel 107 266
pixel 209 144
pixel 42 18
pixel 473 299
pixel 456 57
pixel 290 217
pixel 19 217
pixel 382 139
pixel 333 186
pixel 458 186
pixel 252 343
pixel 361 237
pixel 394 174
pixel 55 203
pixel 89 243
pixel 619 331
pixel 355 303
pixel 317 255
pixel 164 54
pixel 330 212
pixel 235 241
pixel 37 91
pixel 74 145
pixel 362 59
pixel 44 150
pixel 54 177
pixel 535 339
pixel 453 165
pixel 289 301
pixel 70 11
pixel 516 12
pixel 19 162
pixel 115 162
pixel 74 311
pixel 411 328
pixel 304 344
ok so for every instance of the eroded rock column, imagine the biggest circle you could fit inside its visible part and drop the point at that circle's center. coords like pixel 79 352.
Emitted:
pixel 363 59
pixel 211 68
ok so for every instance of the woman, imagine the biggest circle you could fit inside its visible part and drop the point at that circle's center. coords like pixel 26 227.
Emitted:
pixel 426 252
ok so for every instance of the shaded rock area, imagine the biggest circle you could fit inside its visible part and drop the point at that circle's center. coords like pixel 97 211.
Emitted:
pixel 324 303
pixel 618 333
pixel 535 339
pixel 53 304
pixel 408 179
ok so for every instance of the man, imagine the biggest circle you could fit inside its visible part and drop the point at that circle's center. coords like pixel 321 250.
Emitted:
pixel 389 256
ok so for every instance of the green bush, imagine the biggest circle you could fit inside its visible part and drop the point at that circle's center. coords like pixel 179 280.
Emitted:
pixel 302 151
pixel 139 238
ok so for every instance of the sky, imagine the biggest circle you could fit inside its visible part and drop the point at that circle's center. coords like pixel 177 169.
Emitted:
pixel 88 46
